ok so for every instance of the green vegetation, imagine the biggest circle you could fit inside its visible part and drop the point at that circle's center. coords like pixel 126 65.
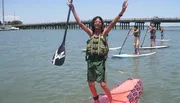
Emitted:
pixel 15 22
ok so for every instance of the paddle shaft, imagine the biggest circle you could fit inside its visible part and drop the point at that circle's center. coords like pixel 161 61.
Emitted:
pixel 144 38
pixel 125 40
pixel 66 27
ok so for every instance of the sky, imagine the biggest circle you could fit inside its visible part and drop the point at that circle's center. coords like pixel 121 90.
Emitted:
pixel 39 11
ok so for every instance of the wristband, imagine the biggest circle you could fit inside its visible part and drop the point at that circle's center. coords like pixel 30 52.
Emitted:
pixel 120 15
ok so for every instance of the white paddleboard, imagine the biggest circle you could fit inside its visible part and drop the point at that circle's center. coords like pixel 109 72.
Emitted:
pixel 154 47
pixel 163 39
pixel 132 55
pixel 115 48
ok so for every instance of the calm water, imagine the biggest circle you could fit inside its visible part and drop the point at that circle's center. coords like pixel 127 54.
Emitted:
pixel 28 76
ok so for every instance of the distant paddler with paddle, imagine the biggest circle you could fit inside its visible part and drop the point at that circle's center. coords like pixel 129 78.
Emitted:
pixel 152 31
pixel 136 33
pixel 97 50
pixel 162 33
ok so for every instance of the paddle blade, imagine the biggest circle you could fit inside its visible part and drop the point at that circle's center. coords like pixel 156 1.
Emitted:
pixel 59 57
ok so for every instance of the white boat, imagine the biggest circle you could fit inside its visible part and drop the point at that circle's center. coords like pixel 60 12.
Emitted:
pixel 111 49
pixel 154 47
pixel 6 27
pixel 132 55
pixel 13 28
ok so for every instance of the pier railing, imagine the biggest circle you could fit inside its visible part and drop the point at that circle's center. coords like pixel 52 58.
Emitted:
pixel 177 19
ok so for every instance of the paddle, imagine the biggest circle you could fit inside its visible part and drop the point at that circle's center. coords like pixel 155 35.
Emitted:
pixel 144 37
pixel 125 40
pixel 59 56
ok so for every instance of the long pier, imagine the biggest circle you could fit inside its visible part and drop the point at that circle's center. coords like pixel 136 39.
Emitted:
pixel 123 23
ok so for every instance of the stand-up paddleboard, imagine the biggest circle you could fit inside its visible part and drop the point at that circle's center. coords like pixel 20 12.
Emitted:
pixel 115 48
pixel 163 39
pixel 83 50
pixel 154 47
pixel 127 92
pixel 132 55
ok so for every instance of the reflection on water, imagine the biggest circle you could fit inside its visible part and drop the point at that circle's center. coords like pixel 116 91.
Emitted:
pixel 135 65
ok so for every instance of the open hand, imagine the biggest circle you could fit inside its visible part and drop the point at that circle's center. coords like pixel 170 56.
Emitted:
pixel 70 4
pixel 124 6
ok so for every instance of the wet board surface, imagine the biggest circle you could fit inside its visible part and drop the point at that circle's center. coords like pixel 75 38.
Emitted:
pixel 127 92
pixel 132 55
pixel 154 47
pixel 163 39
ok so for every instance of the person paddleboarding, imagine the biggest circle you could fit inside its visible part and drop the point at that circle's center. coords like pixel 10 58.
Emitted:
pixel 97 50
pixel 136 33
pixel 152 32
pixel 162 33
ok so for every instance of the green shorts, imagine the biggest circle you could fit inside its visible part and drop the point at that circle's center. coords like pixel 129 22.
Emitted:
pixel 96 69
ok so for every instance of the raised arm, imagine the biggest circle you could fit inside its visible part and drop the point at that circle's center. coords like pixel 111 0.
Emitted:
pixel 84 27
pixel 111 25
